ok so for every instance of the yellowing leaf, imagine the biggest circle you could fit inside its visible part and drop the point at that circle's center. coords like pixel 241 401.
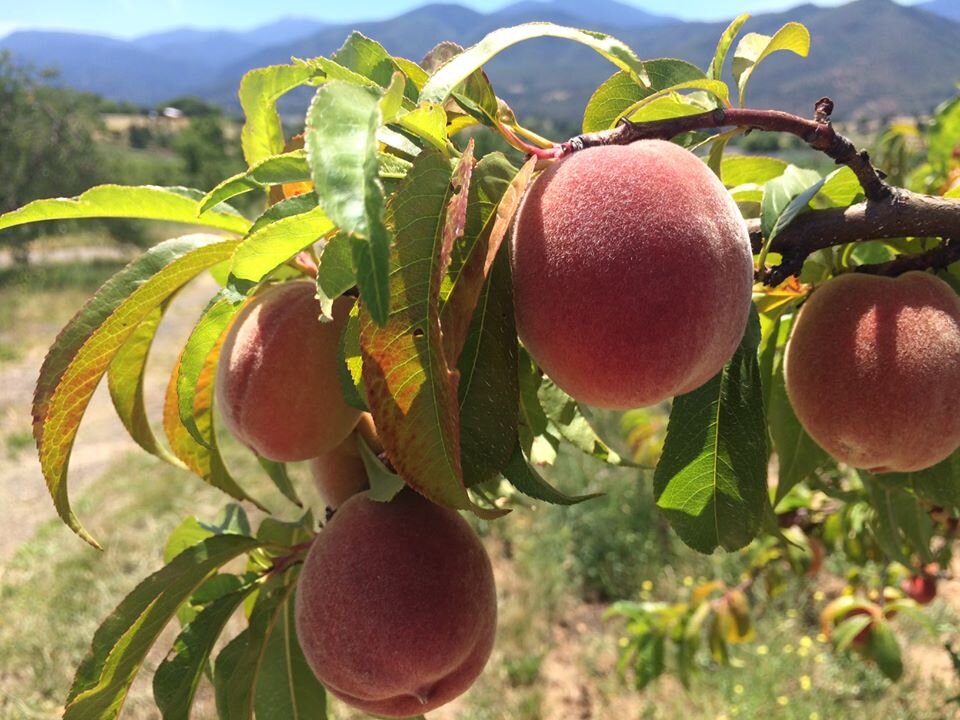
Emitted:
pixel 753 48
pixel 85 347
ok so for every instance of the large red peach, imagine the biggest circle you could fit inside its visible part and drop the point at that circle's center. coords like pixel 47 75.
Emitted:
pixel 632 273
pixel 872 370
pixel 277 386
pixel 396 606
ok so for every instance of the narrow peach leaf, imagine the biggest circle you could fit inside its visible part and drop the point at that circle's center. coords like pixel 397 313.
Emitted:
pixel 122 642
pixel 170 204
pixel 84 349
pixel 125 379
pixel 485 231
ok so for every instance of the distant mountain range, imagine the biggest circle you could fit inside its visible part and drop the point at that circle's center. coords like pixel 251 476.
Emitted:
pixel 874 57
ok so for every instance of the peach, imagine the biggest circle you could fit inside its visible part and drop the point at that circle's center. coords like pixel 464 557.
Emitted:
pixel 396 606
pixel 921 588
pixel 277 387
pixel 340 473
pixel 632 273
pixel 872 370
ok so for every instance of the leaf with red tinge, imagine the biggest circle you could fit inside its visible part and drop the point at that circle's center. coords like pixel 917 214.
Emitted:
pixel 125 379
pixel 482 241
pixel 85 347
pixel 410 385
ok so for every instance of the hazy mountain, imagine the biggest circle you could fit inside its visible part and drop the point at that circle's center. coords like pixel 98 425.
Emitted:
pixel 203 48
pixel 114 68
pixel 873 57
pixel 945 8
pixel 603 12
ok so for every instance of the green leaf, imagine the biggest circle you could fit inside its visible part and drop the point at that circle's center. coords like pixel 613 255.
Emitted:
pixel 122 642
pixel 753 48
pixel 715 71
pixel 528 481
pixel 236 680
pixel 566 415
pixel 171 204
pixel 262 134
pixel 778 194
pixel 351 369
pixel 670 105
pixel 277 472
pixel 841 189
pixel 939 484
pixel 384 485
pixel 391 101
pixel 494 198
pixel 125 379
pixel 755 169
pixel 848 629
pixel 288 207
pixel 85 347
pixel 458 68
pixel 263 251
pixel 409 383
pixel 176 680
pixel 883 647
pixel 620 92
pixel 651 107
pixel 341 142
pixel 428 121
pixel 366 57
pixel 335 274
pixel 533 425
pixel 273 170
pixel 898 520
pixel 488 385
pixel 286 687
pixel 711 481
pixel 202 459
pixel 205 338
pixel 798 455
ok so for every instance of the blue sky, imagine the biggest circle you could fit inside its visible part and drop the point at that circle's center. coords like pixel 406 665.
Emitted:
pixel 130 18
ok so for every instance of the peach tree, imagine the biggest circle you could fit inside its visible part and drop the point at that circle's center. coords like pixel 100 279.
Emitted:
pixel 680 273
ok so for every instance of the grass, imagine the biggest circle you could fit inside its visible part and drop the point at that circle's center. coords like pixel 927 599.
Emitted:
pixel 56 590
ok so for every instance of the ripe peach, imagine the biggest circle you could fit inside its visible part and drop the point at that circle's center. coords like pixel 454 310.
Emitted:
pixel 340 473
pixel 873 370
pixel 922 588
pixel 396 607
pixel 277 387
pixel 632 273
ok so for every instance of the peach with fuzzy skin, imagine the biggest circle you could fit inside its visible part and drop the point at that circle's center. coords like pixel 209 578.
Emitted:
pixel 872 370
pixel 632 273
pixel 396 606
pixel 340 474
pixel 277 386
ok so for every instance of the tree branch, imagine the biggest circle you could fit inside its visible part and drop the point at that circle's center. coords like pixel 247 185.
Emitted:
pixel 817 133
pixel 902 214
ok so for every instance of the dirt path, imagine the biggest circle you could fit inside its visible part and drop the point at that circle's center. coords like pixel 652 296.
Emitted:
pixel 24 500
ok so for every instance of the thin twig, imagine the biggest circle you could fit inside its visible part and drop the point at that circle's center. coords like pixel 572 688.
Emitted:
pixel 817 133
